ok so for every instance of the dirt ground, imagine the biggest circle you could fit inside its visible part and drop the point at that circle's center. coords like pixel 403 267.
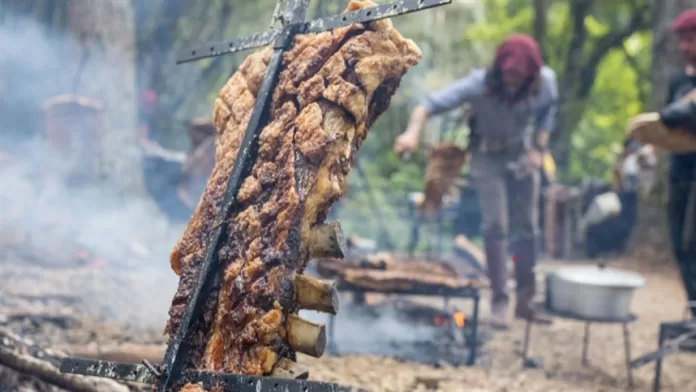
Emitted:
pixel 558 347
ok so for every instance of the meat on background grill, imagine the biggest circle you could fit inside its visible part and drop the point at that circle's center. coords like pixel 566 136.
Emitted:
pixel 445 161
pixel 333 87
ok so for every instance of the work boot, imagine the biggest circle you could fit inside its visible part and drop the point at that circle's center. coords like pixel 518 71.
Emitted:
pixel 524 307
pixel 525 260
pixel 499 314
pixel 497 275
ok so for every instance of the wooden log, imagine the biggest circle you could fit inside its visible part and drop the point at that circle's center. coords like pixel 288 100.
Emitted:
pixel 12 355
pixel 45 372
pixel 124 352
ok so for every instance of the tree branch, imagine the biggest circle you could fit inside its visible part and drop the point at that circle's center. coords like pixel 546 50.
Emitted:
pixel 568 84
pixel 540 7
pixel 642 74
pixel 612 40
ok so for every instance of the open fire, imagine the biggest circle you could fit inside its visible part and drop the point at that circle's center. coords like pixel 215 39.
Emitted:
pixel 458 319
pixel 404 329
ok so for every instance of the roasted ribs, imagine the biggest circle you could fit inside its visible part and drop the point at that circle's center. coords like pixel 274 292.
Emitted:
pixel 332 88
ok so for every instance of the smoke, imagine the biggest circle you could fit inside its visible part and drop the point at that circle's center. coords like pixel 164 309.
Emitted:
pixel 358 332
pixel 386 331
pixel 47 220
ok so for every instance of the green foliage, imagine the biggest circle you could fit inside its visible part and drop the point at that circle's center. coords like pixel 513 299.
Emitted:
pixel 621 86
pixel 615 98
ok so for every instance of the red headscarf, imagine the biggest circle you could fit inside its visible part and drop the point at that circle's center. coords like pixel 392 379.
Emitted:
pixel 148 99
pixel 685 22
pixel 520 53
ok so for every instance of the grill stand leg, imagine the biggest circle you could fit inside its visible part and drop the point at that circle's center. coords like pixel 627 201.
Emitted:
pixel 627 349
pixel 525 347
pixel 585 344
pixel 658 362
pixel 440 234
pixel 473 342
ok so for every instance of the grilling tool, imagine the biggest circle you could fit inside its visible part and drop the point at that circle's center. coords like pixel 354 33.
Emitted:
pixel 175 369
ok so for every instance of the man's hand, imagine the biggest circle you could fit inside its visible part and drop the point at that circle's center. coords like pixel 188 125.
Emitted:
pixel 534 159
pixel 406 143
pixel 535 155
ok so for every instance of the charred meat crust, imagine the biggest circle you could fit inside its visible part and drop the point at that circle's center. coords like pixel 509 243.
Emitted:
pixel 333 87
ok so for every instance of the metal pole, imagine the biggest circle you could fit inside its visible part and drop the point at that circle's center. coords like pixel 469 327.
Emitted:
pixel 658 362
pixel 474 331
pixel 627 351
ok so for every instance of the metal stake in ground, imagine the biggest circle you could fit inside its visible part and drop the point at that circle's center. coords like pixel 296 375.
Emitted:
pixel 293 23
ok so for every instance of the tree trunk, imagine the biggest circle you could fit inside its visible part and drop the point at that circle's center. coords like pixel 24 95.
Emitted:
pixel 571 109
pixel 104 69
pixel 581 67
pixel 540 7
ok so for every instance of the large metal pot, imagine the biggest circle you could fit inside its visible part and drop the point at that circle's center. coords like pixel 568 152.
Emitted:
pixel 592 291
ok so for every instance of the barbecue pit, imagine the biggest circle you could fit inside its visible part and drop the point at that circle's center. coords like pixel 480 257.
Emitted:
pixel 407 330
pixel 441 334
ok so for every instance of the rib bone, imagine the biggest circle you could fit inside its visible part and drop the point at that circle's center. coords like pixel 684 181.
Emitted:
pixel 314 294
pixel 306 337
pixel 286 368
pixel 327 240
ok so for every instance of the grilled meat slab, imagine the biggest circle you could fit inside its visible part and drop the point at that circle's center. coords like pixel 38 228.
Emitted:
pixel 443 166
pixel 392 281
pixel 332 88
pixel 331 268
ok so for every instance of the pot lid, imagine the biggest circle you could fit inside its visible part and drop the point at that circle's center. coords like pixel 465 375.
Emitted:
pixel 596 276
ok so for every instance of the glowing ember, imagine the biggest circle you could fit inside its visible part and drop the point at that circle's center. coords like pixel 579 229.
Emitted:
pixel 459 319
pixel 440 321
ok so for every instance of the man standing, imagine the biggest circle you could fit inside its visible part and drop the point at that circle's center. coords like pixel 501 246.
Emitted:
pixel 683 168
pixel 513 108
pixel 678 116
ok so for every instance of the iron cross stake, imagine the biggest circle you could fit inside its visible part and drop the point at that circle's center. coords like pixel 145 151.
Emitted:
pixel 174 368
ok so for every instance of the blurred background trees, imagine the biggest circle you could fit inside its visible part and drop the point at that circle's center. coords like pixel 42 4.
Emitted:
pixel 602 51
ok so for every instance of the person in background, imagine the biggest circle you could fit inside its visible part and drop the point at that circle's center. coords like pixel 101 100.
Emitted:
pixel 679 117
pixel 513 104
pixel 161 168
pixel 683 166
